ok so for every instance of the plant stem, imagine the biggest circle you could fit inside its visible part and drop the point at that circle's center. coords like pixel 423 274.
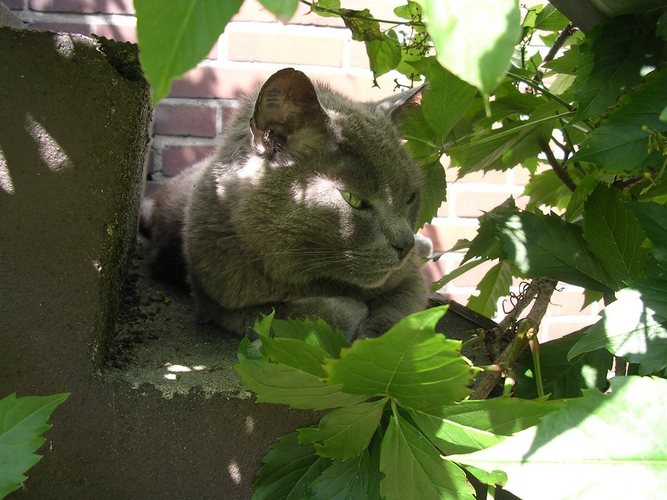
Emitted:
pixel 557 167
pixel 541 89
pixel 567 32
pixel 354 14
pixel 541 289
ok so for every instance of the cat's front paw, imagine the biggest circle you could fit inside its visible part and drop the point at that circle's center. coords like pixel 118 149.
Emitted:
pixel 374 326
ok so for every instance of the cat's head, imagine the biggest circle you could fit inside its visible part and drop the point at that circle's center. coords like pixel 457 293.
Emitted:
pixel 331 193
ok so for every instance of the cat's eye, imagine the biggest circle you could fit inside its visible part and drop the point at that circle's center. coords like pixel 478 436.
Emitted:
pixel 353 200
pixel 412 198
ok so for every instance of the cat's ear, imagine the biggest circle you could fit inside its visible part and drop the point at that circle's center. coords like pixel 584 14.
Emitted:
pixel 287 112
pixel 394 105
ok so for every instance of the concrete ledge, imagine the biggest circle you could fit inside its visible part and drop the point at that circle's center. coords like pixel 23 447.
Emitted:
pixel 74 116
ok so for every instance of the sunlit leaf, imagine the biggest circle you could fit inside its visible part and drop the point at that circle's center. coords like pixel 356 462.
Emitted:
pixel 288 470
pixel 276 383
pixel 315 333
pixel 474 425
pixel 22 423
pixel 550 19
pixel 362 25
pixel 383 55
pixel 634 327
pixel 326 8
pixel 545 245
pixel 413 467
pixel 173 40
pixel 410 363
pixel 345 432
pixel 602 446
pixel 446 99
pixel 495 284
pixel 282 9
pixel 480 60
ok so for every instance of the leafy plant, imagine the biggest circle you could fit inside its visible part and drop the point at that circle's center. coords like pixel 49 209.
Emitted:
pixel 22 422
pixel 585 112
pixel 396 407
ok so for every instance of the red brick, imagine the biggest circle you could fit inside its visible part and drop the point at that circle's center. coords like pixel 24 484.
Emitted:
pixel 177 158
pixel 81 29
pixel 211 83
pixel 184 119
pixel 116 32
pixel 14 4
pixel 284 48
pixel 84 6
pixel 568 303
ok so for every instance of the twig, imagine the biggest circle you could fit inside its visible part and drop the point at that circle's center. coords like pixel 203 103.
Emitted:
pixel 542 289
pixel 353 14
pixel 558 168
pixel 567 32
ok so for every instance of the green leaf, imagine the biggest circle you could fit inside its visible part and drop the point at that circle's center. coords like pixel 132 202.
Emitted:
pixel 620 145
pixel 22 422
pixel 434 191
pixel 487 244
pixel 288 470
pixel 350 480
pixel 575 207
pixel 383 55
pixel 550 19
pixel 653 218
pixel 411 364
pixel 481 60
pixel 568 63
pixel 297 354
pixel 606 446
pixel 545 245
pixel 451 437
pixel 474 425
pixel 614 235
pixel 362 25
pixel 411 10
pixel 345 432
pixel 546 189
pixel 446 100
pixel 503 148
pixel 634 327
pixel 173 40
pixel 610 64
pixel 413 467
pixel 495 284
pixel 326 8
pixel 315 333
pixel 462 269
pixel 562 378
pixel 281 384
pixel 282 9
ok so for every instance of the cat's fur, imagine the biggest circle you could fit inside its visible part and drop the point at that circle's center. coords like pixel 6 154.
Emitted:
pixel 265 226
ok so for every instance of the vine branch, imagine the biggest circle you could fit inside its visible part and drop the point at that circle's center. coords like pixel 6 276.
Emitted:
pixel 541 290
pixel 354 14
pixel 557 167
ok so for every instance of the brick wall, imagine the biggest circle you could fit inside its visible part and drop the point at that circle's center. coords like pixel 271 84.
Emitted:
pixel 188 123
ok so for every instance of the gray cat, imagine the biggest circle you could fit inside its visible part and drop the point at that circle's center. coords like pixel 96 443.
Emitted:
pixel 309 208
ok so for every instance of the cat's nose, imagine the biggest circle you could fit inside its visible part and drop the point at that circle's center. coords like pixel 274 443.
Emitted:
pixel 404 246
